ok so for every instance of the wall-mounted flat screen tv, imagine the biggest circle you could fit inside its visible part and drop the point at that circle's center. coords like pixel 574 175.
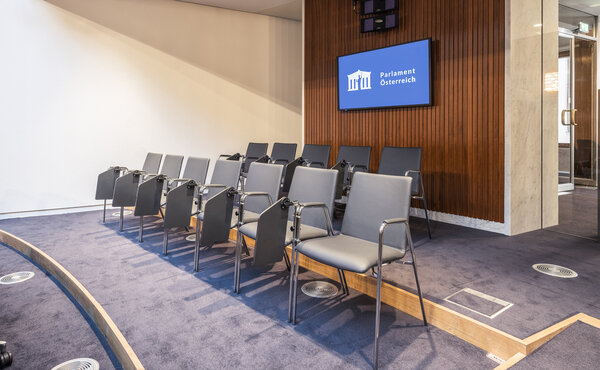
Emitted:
pixel 395 76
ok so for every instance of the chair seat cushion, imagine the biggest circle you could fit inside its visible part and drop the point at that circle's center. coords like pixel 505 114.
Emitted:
pixel 347 253
pixel 306 231
pixel 248 217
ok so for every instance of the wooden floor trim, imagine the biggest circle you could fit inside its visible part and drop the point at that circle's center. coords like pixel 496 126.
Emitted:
pixel 122 350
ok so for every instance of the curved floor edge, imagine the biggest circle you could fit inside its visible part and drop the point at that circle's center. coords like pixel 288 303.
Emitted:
pixel 107 327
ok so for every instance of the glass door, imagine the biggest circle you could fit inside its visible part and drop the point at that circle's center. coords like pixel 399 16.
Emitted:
pixel 566 114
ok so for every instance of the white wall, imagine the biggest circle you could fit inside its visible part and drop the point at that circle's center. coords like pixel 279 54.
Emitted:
pixel 76 97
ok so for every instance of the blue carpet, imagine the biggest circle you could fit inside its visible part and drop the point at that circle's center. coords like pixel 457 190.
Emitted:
pixel 174 318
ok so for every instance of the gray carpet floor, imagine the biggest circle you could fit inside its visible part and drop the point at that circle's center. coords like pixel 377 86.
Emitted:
pixel 578 213
pixel 41 326
pixel 174 318
pixel 501 267
pixel 575 348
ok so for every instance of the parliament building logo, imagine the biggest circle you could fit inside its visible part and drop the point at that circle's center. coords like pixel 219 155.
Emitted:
pixel 359 80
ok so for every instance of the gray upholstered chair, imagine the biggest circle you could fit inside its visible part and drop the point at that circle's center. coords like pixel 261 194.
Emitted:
pixel 192 197
pixel 254 152
pixel 283 153
pixel 148 199
pixel 350 159
pixel 375 231
pixel 105 187
pixel 260 192
pixel 218 215
pixel 406 162
pixel 195 171
pixel 316 155
pixel 272 232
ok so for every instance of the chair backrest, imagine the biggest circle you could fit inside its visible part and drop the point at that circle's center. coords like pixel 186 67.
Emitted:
pixel 196 169
pixel 265 178
pixel 283 153
pixel 355 155
pixel 254 152
pixel 152 162
pixel 171 166
pixel 313 185
pixel 396 161
pixel 373 199
pixel 317 155
pixel 225 173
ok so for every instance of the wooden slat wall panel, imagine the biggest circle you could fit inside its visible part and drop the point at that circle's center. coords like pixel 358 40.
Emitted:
pixel 462 135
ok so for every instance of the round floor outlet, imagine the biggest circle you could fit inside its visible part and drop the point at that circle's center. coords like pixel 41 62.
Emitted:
pixel 554 270
pixel 319 289
pixel 191 238
pixel 126 212
pixel 16 277
pixel 78 364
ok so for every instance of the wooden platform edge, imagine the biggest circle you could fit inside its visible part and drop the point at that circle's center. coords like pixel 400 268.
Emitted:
pixel 117 342
pixel 470 330
pixel 510 362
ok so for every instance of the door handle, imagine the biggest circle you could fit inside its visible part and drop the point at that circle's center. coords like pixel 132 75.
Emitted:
pixel 573 117
pixel 562 117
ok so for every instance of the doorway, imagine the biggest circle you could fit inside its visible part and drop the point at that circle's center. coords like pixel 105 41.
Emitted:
pixel 577 124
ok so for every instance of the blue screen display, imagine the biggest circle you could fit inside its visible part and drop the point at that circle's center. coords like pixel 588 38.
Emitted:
pixel 389 77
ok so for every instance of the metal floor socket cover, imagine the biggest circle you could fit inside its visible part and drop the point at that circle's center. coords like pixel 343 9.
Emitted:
pixel 555 270
pixel 78 364
pixel 191 238
pixel 126 212
pixel 16 277
pixel 319 289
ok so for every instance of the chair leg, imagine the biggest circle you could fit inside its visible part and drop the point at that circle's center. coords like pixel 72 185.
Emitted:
pixel 165 241
pixel 343 282
pixel 238 257
pixel 121 219
pixel 141 231
pixel 290 302
pixel 426 210
pixel 104 213
pixel 286 258
pixel 414 264
pixel 197 245
pixel 196 255
pixel 295 297
pixel 245 247
pixel 162 215
pixel 377 317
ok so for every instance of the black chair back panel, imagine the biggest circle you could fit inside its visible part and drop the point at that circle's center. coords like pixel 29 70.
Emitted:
pixel 152 163
pixel 171 166
pixel 126 190
pixel 396 161
pixel 179 205
pixel 105 187
pixel 147 202
pixel 217 218
pixel 316 155
pixel 270 235
pixel 283 153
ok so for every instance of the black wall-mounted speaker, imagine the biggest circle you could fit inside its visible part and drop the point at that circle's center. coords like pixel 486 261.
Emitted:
pixel 378 6
pixel 379 23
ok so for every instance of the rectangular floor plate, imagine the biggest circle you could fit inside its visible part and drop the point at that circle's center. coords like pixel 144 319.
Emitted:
pixel 478 302
pixel 494 358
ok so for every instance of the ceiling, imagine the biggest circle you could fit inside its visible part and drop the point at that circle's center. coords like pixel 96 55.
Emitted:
pixel 588 6
pixel 291 9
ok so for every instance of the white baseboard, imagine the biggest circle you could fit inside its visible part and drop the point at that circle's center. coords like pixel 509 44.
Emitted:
pixel 474 223
pixel 53 211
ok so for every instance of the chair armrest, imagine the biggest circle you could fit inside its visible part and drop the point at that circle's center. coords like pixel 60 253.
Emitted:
pixel 256 194
pixel 384 224
pixel 298 216
pixel 407 173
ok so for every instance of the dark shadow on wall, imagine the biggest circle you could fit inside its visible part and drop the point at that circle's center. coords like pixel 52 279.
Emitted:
pixel 259 53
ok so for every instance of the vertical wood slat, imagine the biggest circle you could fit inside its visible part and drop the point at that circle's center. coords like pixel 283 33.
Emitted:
pixel 462 134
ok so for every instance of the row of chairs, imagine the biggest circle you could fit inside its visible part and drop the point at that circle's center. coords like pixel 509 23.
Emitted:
pixel 302 219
